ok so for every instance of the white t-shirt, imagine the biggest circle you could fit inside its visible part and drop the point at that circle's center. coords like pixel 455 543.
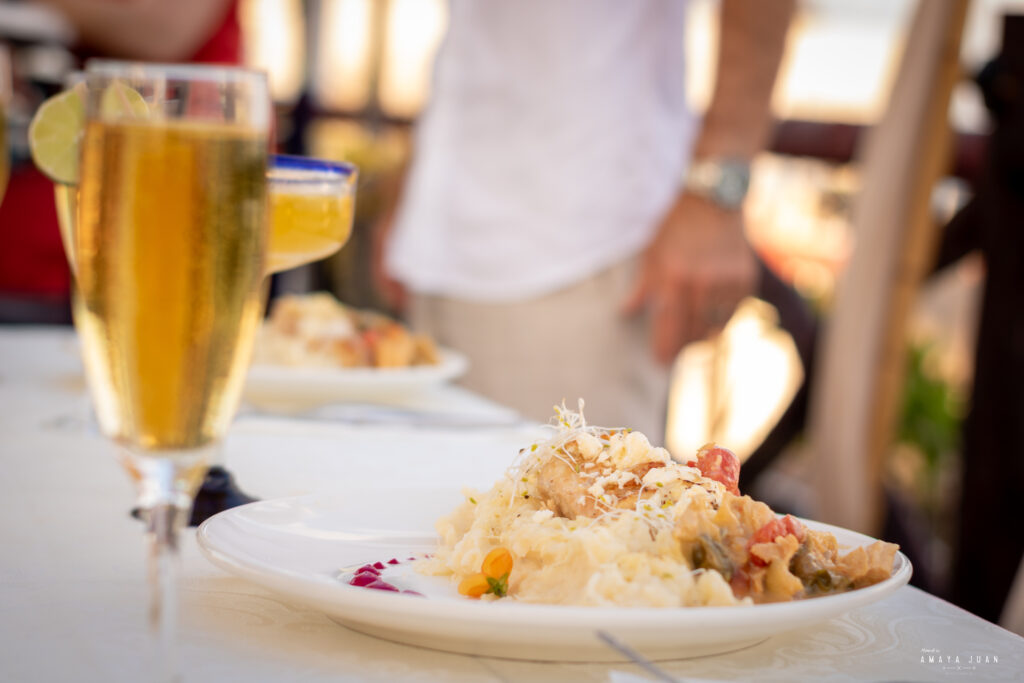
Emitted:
pixel 555 140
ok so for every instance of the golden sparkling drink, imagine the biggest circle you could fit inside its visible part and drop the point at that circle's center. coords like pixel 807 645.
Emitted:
pixel 306 226
pixel 168 247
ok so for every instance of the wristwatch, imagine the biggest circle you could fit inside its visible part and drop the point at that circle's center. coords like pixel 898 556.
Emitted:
pixel 722 181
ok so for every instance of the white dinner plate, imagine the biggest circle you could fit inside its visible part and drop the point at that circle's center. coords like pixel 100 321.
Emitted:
pixel 283 386
pixel 305 547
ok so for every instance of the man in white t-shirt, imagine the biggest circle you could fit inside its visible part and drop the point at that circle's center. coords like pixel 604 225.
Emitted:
pixel 566 221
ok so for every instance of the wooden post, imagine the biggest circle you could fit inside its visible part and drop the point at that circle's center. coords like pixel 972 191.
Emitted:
pixel 861 362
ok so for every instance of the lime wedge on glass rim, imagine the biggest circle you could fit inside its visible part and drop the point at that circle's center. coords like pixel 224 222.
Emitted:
pixel 55 133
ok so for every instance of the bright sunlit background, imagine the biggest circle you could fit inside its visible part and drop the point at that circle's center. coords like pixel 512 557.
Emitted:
pixel 366 66
pixel 378 53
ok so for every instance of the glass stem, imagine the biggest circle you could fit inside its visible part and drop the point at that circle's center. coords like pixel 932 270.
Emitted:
pixel 162 524
pixel 167 481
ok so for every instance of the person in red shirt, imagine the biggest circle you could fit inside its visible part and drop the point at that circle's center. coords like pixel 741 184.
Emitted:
pixel 34 277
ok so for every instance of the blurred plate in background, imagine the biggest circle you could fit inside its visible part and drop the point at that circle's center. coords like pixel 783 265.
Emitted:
pixel 291 388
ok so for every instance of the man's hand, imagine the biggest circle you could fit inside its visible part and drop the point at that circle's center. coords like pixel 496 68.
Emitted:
pixel 693 274
pixel 700 265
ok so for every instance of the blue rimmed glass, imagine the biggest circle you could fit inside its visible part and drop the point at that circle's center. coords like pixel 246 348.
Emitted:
pixel 312 202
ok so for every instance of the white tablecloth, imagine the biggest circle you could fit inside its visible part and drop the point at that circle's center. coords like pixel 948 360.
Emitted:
pixel 73 594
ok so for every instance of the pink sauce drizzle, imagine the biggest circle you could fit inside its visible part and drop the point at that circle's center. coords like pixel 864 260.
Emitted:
pixel 369 576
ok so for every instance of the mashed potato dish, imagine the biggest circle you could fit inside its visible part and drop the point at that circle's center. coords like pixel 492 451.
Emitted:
pixel 316 330
pixel 597 516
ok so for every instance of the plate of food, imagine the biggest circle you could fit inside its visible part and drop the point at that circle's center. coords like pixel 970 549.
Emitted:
pixel 591 532
pixel 313 349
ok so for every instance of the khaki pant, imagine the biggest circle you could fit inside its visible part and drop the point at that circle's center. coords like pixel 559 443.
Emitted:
pixel 574 343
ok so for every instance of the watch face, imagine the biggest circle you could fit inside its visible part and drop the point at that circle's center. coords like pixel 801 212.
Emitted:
pixel 733 182
pixel 725 182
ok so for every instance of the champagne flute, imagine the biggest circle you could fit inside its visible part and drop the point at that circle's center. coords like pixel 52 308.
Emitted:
pixel 311 214
pixel 169 248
